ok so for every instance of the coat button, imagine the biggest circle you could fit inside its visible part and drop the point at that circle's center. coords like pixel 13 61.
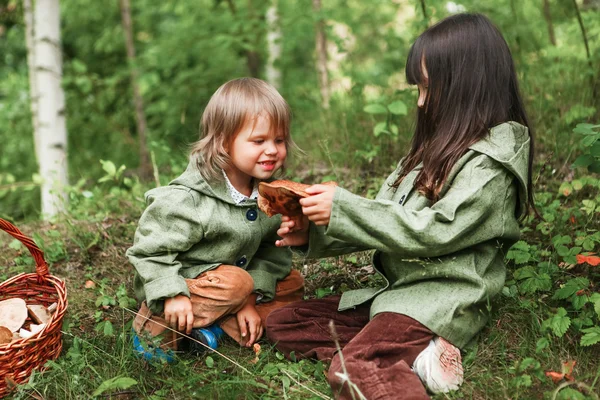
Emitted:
pixel 251 214
pixel 241 262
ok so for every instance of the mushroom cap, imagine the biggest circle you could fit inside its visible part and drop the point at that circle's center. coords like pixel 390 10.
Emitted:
pixel 283 197
pixel 13 313
pixel 6 336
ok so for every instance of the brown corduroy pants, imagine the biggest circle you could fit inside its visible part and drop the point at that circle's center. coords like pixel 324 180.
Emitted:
pixel 377 354
pixel 216 296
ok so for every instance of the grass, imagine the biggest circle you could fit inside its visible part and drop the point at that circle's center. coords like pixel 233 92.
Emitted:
pixel 506 361
pixel 98 363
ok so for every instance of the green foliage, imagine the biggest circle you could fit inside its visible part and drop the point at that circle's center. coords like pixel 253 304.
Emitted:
pixel 591 145
pixel 119 382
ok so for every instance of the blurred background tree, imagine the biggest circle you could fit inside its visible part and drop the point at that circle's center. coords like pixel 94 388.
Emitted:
pixel 185 49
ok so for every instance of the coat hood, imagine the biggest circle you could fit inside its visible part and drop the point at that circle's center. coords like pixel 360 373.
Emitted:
pixel 509 144
pixel 193 179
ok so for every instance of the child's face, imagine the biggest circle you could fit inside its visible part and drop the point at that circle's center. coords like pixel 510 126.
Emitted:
pixel 255 153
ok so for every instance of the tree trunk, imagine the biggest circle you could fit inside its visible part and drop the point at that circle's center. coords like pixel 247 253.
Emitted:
pixel 321 49
pixel 52 133
pixel 273 73
pixel 145 170
pixel 593 80
pixel 548 18
pixel 29 40
pixel 252 57
pixel 424 11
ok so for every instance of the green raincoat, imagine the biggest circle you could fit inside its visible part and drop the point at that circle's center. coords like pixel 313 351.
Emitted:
pixel 442 262
pixel 192 226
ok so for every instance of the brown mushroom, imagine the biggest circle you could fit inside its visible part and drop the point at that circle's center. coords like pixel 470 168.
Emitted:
pixel 6 336
pixel 283 197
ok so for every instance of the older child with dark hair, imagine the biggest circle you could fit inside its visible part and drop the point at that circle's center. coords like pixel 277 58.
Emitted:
pixel 440 226
pixel 204 255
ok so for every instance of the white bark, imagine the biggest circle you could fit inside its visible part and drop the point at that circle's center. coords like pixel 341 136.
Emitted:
pixel 273 73
pixel 52 130
pixel 29 40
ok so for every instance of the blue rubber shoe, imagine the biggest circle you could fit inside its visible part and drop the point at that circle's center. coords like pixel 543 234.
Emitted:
pixel 151 353
pixel 209 336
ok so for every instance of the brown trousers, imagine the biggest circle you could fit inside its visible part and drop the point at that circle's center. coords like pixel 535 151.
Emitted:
pixel 216 296
pixel 377 354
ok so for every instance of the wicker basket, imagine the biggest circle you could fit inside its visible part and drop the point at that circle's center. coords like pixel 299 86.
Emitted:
pixel 20 357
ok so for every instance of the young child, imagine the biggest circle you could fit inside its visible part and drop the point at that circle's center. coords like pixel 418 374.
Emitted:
pixel 204 255
pixel 440 226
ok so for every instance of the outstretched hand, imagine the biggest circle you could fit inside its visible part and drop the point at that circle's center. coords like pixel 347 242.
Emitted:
pixel 293 232
pixel 317 207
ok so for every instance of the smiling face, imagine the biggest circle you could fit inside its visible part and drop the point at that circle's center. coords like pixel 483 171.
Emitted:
pixel 255 152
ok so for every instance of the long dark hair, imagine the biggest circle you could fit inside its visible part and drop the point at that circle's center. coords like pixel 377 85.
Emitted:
pixel 472 87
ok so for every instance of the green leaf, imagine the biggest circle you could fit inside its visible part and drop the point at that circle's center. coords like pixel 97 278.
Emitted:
pixel 594 167
pixel 16 245
pixel 588 141
pixel 398 107
pixel 585 129
pixel 570 394
pixel 542 344
pixel 539 282
pixel 379 129
pixel 109 167
pixel 595 300
pixel 595 149
pixel 558 240
pixel 519 252
pixel 209 362
pixel 114 383
pixel 579 301
pixel 588 206
pixel 322 292
pixel 571 287
pixel 577 184
pixel 591 337
pixel 560 323
pixel 583 161
pixel 563 251
pixel 78 66
pixel 375 109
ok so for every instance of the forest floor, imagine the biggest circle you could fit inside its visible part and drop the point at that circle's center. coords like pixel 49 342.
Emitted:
pixel 506 362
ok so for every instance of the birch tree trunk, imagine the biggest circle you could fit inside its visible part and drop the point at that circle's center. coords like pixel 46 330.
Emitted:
pixel 33 96
pixel 51 124
pixel 272 72
pixel 145 170
pixel 321 49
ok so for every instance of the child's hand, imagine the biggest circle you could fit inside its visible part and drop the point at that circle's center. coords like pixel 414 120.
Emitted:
pixel 317 207
pixel 292 232
pixel 249 322
pixel 178 313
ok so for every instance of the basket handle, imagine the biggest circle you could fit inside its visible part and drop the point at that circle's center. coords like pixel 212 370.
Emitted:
pixel 41 267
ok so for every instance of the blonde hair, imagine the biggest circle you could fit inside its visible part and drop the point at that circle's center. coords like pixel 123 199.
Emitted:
pixel 230 107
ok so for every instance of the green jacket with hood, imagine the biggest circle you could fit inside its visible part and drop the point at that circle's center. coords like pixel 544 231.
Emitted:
pixel 192 226
pixel 441 262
